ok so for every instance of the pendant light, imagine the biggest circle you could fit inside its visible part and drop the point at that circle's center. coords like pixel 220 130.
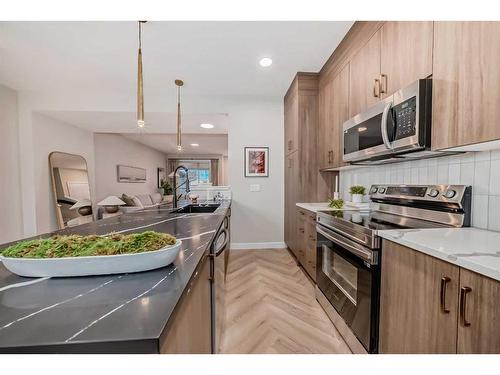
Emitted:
pixel 179 83
pixel 140 92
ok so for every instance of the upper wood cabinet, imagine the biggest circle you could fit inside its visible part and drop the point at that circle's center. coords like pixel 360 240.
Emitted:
pixel 418 302
pixel 466 83
pixel 479 314
pixel 406 54
pixel 333 112
pixel 291 119
pixel 364 77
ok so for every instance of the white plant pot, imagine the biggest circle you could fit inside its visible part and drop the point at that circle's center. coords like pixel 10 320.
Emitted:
pixel 357 198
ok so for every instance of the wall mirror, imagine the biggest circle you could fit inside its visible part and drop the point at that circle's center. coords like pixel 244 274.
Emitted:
pixel 71 189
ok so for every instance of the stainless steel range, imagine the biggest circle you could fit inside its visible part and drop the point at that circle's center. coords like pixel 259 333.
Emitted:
pixel 349 249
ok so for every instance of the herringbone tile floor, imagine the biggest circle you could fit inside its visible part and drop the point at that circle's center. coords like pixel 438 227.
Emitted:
pixel 271 308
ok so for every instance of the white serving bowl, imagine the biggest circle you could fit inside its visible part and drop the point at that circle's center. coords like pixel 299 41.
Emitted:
pixel 92 265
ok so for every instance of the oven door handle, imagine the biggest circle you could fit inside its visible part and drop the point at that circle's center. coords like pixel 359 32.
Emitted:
pixel 358 250
pixel 383 126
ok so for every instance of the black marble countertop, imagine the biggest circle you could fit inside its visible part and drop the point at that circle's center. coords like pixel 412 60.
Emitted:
pixel 105 314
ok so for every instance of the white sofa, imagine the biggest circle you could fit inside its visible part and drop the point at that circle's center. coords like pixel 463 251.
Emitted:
pixel 144 201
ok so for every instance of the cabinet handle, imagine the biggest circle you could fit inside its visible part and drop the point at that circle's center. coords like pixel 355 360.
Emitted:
pixel 330 157
pixel 463 305
pixel 290 144
pixel 376 88
pixel 383 83
pixel 444 282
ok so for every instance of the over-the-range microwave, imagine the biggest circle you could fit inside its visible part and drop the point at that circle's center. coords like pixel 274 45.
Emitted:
pixel 397 128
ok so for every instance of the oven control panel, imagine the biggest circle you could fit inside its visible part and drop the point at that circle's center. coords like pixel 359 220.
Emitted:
pixel 435 193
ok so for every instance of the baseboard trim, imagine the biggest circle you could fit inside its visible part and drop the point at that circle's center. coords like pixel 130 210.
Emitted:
pixel 257 245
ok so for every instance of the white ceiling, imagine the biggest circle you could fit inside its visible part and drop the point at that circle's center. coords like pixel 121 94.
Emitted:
pixel 209 144
pixel 213 58
pixel 88 70
pixel 156 122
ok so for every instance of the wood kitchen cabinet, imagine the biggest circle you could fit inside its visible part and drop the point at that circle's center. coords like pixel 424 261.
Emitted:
pixel 364 77
pixel 479 314
pixel 306 241
pixel 301 168
pixel 431 306
pixel 291 106
pixel 466 83
pixel 291 188
pixel 333 112
pixel 413 316
pixel 189 329
pixel 406 54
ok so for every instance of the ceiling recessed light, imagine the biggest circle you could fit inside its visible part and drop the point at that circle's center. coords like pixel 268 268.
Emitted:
pixel 207 126
pixel 194 144
pixel 265 62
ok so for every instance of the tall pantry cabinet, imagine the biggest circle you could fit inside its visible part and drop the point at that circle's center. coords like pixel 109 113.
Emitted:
pixel 301 168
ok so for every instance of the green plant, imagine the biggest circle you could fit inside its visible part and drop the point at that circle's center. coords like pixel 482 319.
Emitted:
pixel 357 189
pixel 79 246
pixel 167 188
pixel 336 203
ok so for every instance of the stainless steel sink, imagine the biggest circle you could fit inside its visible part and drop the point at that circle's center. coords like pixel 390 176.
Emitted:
pixel 197 208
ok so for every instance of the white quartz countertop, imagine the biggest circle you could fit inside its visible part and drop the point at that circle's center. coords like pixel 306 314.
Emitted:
pixel 323 206
pixel 315 207
pixel 477 250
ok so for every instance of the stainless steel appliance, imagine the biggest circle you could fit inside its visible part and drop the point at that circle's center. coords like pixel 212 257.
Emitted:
pixel 349 249
pixel 396 128
pixel 219 255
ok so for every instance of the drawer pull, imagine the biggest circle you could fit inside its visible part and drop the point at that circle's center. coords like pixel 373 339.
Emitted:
pixel 444 282
pixel 463 305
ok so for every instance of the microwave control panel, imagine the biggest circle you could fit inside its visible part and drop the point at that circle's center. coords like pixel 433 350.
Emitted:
pixel 405 118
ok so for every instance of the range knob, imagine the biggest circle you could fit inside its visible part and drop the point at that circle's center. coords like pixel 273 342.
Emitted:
pixel 450 193
pixel 433 193
pixel 381 190
pixel 374 190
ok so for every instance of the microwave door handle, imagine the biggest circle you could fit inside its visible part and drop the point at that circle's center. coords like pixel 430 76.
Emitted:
pixel 383 126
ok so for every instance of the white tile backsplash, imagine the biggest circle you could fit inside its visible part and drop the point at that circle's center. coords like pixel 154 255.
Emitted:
pixel 479 169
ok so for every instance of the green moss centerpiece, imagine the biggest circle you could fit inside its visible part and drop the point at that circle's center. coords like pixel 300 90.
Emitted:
pixel 75 255
pixel 81 246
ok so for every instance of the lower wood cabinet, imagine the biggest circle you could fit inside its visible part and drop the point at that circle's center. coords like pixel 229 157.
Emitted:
pixel 431 306
pixel 479 319
pixel 189 329
pixel 306 241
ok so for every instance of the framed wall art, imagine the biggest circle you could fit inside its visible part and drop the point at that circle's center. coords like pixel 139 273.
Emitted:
pixel 256 161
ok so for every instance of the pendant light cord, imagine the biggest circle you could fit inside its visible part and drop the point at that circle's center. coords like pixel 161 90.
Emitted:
pixel 140 34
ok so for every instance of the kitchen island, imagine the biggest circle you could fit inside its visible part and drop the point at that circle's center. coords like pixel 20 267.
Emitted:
pixel 126 313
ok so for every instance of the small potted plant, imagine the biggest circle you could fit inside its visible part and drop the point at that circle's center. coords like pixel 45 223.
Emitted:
pixel 167 191
pixel 357 193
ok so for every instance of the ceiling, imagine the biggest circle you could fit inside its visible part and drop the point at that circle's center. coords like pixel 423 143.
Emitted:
pixel 213 58
pixel 156 122
pixel 86 72
pixel 209 144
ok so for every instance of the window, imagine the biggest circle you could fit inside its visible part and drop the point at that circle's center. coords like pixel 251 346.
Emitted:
pixel 199 176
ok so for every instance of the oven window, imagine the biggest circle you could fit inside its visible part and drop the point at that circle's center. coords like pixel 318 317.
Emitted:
pixel 342 273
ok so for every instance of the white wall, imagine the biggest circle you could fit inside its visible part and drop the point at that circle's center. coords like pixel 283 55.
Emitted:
pixel 257 217
pixel 11 217
pixel 114 149
pixel 481 170
pixel 53 135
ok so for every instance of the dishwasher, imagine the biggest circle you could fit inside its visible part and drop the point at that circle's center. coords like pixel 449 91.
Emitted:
pixel 219 260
